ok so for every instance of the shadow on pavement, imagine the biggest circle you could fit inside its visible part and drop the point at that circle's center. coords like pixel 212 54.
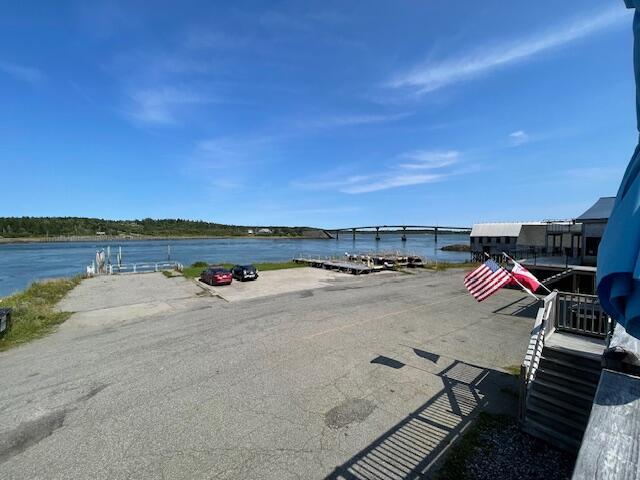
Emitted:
pixel 388 362
pixel 523 307
pixel 410 449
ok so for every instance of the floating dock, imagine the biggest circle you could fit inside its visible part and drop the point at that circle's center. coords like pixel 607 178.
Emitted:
pixel 353 268
pixel 357 264
pixel 387 260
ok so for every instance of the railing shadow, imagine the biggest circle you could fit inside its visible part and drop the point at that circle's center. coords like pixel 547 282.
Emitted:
pixel 522 307
pixel 412 447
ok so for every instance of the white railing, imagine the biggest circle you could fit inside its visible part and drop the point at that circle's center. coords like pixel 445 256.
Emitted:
pixel 542 327
pixel 142 267
pixel 580 313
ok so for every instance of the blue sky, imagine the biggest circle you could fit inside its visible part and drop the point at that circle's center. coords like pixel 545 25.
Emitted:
pixel 314 113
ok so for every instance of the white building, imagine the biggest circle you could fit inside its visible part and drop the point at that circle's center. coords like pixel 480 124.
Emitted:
pixel 494 238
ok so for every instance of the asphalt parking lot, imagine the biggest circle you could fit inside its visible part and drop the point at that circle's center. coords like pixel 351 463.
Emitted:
pixel 154 377
pixel 278 282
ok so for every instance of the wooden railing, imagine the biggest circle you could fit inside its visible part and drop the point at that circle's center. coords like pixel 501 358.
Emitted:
pixel 581 313
pixel 519 254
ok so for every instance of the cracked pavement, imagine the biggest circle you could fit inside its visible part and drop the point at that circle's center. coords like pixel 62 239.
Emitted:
pixel 276 387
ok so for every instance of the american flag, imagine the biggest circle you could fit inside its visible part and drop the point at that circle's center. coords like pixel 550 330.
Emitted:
pixel 485 280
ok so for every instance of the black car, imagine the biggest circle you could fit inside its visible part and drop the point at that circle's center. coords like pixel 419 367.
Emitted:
pixel 244 272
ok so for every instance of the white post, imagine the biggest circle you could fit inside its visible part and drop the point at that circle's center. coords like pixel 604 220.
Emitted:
pixel 134 268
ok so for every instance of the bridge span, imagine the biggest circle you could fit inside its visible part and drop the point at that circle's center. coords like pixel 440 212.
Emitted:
pixel 404 229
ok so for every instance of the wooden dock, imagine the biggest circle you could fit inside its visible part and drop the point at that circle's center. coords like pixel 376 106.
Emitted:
pixel 387 260
pixel 353 268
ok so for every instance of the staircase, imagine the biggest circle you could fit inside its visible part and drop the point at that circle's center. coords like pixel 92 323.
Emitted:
pixel 558 276
pixel 560 396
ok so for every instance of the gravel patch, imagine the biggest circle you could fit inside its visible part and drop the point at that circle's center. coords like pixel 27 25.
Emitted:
pixel 497 449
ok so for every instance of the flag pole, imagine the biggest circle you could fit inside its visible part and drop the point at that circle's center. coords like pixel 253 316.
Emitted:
pixel 541 284
pixel 516 280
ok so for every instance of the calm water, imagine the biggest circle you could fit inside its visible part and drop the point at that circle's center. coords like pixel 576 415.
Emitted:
pixel 20 264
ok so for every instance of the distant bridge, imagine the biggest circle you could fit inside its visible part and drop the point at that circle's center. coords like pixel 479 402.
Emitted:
pixel 404 229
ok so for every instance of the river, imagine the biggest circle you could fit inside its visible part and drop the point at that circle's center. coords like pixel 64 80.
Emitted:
pixel 23 263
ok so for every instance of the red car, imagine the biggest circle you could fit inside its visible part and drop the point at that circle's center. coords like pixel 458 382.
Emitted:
pixel 216 276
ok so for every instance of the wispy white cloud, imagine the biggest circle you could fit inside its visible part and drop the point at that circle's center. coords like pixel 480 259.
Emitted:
pixel 427 159
pixel 432 76
pixel 393 180
pixel 519 137
pixel 223 153
pixel 22 73
pixel 398 175
pixel 355 120
pixel 161 105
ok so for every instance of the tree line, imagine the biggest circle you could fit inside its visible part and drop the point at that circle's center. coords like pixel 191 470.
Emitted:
pixel 19 227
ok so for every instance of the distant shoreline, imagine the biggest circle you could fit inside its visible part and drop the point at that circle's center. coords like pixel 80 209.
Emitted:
pixel 310 235
pixel 106 238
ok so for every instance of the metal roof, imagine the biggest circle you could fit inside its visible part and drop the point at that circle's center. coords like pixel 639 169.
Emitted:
pixel 499 229
pixel 601 210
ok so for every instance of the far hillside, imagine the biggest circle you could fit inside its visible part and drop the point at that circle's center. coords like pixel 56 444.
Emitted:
pixel 40 227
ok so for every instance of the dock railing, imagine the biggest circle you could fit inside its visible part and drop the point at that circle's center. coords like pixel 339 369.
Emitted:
pixel 519 254
pixel 144 267
pixel 580 313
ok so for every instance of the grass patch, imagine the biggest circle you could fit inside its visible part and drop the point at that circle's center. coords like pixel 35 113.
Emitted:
pixel 440 266
pixel 265 267
pixel 196 269
pixel 513 370
pixel 33 311
pixel 455 465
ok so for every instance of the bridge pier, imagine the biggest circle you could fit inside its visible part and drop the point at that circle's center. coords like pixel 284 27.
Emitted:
pixel 337 234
